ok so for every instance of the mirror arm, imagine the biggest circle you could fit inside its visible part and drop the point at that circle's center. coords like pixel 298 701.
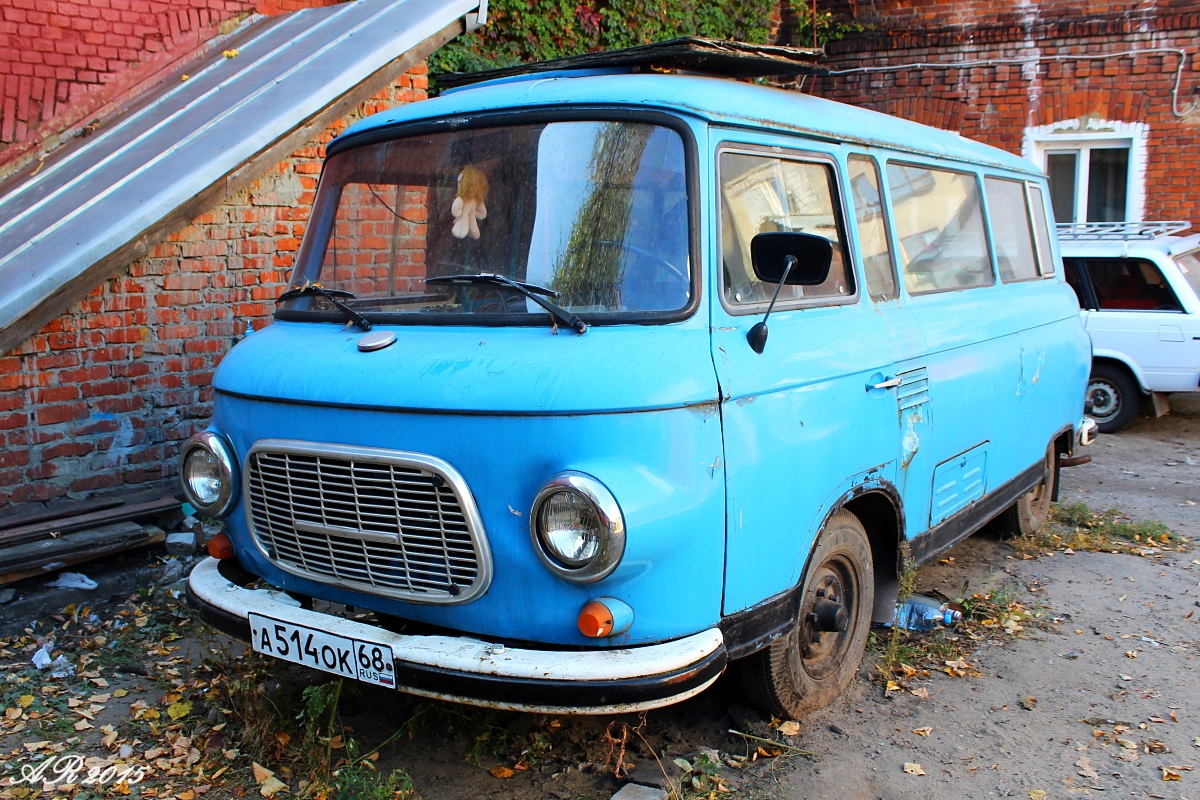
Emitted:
pixel 757 335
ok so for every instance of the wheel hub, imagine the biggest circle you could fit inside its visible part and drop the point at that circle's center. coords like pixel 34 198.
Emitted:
pixel 825 618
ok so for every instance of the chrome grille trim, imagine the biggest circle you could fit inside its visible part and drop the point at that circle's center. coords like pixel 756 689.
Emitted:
pixel 384 522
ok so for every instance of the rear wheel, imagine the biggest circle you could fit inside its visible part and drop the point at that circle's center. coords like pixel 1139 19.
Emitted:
pixel 1024 517
pixel 814 663
pixel 1115 397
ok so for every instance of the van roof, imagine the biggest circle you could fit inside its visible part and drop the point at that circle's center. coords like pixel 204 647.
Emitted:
pixel 716 100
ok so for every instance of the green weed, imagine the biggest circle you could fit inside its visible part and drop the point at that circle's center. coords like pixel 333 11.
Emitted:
pixel 1078 527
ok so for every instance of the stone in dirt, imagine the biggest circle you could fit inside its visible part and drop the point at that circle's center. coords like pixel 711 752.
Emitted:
pixel 635 791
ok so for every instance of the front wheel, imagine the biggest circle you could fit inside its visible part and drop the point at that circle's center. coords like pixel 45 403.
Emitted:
pixel 815 662
pixel 1115 397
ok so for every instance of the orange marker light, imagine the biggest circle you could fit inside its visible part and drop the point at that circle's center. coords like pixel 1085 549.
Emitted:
pixel 220 547
pixel 595 620
pixel 605 616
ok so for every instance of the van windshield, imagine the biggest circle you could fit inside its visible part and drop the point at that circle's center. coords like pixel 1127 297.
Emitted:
pixel 594 212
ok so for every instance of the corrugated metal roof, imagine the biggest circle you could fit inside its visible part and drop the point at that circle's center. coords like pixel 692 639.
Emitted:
pixel 103 201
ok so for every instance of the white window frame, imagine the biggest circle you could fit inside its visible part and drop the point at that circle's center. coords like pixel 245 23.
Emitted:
pixel 1084 135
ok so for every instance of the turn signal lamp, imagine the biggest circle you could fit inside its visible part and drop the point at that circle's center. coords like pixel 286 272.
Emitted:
pixel 604 617
pixel 220 547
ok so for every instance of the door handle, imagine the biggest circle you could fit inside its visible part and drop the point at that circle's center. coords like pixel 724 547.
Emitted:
pixel 890 383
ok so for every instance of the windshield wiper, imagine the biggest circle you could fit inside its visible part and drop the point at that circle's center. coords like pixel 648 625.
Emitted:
pixel 332 295
pixel 537 294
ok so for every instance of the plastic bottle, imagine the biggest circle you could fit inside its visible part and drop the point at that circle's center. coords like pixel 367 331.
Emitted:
pixel 920 613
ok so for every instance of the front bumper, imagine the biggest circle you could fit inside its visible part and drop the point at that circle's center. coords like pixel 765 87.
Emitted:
pixel 468 670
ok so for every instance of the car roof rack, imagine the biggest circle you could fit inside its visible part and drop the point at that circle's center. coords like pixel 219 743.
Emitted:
pixel 1079 231
pixel 690 53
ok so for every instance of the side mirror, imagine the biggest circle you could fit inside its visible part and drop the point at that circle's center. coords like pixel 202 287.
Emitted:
pixel 813 254
pixel 795 259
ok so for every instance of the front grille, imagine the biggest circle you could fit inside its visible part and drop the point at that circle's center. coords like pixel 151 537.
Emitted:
pixel 384 522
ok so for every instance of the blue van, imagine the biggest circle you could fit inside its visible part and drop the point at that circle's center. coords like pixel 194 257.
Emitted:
pixel 519 411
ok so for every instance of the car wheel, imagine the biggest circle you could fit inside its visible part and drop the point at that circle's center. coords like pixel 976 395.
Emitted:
pixel 1115 397
pixel 814 663
pixel 1024 517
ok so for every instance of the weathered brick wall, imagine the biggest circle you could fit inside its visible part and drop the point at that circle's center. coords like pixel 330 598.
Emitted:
pixel 63 61
pixel 1046 64
pixel 102 397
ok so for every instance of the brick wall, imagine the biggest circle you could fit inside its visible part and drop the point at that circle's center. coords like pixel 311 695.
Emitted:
pixel 1041 65
pixel 102 397
pixel 63 61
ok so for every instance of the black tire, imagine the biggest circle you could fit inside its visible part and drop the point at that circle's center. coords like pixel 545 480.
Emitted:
pixel 810 666
pixel 1024 517
pixel 1115 397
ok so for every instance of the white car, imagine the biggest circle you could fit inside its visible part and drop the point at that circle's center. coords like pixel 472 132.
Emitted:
pixel 1139 294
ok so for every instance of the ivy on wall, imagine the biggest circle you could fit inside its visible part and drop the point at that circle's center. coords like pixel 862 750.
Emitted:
pixel 521 31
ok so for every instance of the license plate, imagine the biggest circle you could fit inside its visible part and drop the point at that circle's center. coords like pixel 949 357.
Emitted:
pixel 363 660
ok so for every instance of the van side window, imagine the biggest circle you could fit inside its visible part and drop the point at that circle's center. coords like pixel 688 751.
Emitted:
pixel 1012 236
pixel 939 224
pixel 873 241
pixel 1041 227
pixel 765 193
pixel 1127 284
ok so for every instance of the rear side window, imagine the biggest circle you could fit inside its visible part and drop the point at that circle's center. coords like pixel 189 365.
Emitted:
pixel 1041 227
pixel 761 193
pixel 1126 284
pixel 1012 235
pixel 939 224
pixel 1189 265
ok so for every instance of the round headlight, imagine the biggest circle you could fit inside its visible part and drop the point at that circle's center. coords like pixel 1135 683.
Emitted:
pixel 577 527
pixel 207 473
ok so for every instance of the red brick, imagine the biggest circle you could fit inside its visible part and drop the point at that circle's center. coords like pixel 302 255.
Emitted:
pixel 67 412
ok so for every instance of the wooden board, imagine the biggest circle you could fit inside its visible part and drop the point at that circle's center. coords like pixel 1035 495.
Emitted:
pixel 689 53
pixel 43 514
pixel 51 555
pixel 58 526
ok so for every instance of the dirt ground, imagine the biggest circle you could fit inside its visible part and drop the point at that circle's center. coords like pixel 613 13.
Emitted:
pixel 1097 694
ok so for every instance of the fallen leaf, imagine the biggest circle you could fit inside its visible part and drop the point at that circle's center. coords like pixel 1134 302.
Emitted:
pixel 271 787
pixel 789 727
pixel 25 700
pixel 177 711
pixel 1029 702
pixel 1169 774
pixel 501 772
pixel 922 731
pixel 1131 653
pixel 923 693
pixel 1037 794
pixel 1086 770
pixel 120 693
pixel 261 773
pixel 913 769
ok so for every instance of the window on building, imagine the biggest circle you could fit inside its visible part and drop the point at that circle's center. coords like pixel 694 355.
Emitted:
pixel 1092 179
pixel 1096 168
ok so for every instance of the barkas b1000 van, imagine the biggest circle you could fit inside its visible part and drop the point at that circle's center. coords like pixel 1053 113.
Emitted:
pixel 523 407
